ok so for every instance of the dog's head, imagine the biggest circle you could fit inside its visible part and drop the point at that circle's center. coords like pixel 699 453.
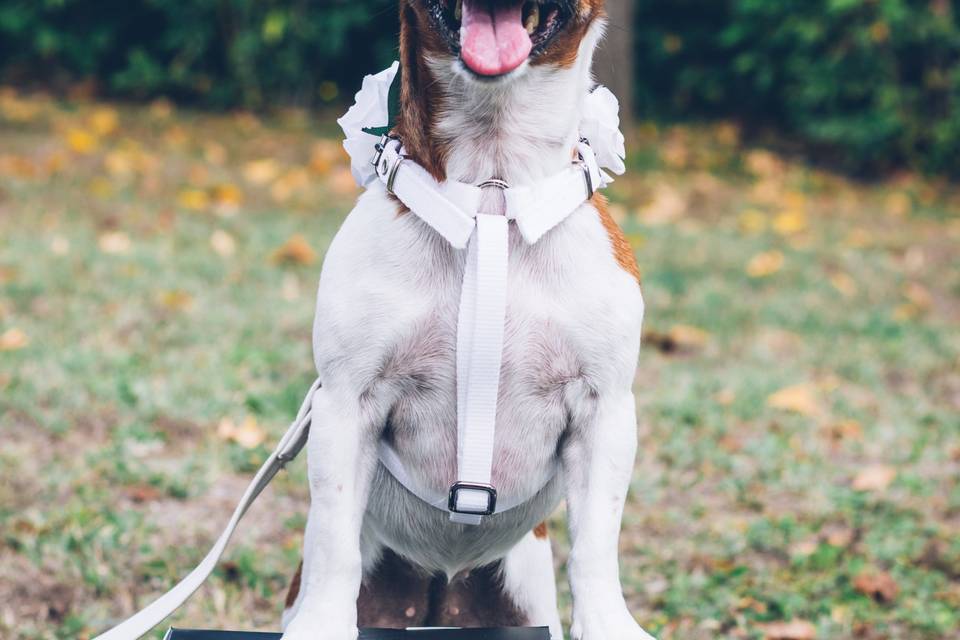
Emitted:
pixel 480 49
pixel 493 40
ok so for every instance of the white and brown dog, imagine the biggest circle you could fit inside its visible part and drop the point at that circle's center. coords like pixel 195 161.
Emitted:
pixel 491 89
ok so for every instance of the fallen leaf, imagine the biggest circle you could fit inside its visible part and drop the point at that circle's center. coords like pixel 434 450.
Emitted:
pixel 765 264
pixel 260 172
pixel 248 434
pixel 174 299
pixel 13 339
pixel 295 250
pixel 799 398
pixel 843 283
pixel 161 109
pixel 140 493
pixel 688 337
pixel 193 199
pixel 752 221
pixel 114 243
pixel 878 585
pixel 792 630
pixel 763 163
pixel 227 198
pixel 324 155
pixel 790 222
pixel 898 204
pixel 104 120
pixel 223 243
pixel 875 478
pixel 666 205
pixel 82 141
pixel 341 182
pixel 215 153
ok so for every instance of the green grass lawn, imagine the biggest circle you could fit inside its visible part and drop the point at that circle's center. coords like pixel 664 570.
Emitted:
pixel 799 388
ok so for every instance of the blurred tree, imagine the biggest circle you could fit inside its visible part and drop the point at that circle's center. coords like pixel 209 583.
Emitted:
pixel 613 64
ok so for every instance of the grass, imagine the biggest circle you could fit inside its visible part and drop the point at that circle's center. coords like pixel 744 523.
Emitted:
pixel 799 388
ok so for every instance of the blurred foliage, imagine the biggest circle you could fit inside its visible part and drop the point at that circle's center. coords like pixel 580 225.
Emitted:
pixel 875 82
pixel 870 84
pixel 216 52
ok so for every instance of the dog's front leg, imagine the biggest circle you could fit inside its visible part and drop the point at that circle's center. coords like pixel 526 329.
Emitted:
pixel 597 464
pixel 341 459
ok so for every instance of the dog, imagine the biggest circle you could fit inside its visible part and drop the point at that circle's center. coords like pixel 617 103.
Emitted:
pixel 490 90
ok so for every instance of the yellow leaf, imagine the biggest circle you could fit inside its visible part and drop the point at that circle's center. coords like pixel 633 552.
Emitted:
pixel 295 250
pixel 227 198
pixel 175 299
pixel 114 242
pixel 765 264
pixel 193 199
pixel 13 339
pixel 118 163
pixel 161 109
pixel 667 205
pixel 288 184
pixel 260 172
pixel 82 141
pixel 800 398
pixel 843 283
pixel 898 204
pixel 875 478
pixel 215 153
pixel 324 155
pixel 248 434
pixel 790 222
pixel 763 163
pixel 223 243
pixel 752 221
pixel 792 630
pixel 104 121
pixel 688 337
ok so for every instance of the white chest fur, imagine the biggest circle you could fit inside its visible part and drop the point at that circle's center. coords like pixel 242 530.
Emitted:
pixel 386 322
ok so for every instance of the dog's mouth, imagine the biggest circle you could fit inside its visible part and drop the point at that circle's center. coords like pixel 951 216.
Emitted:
pixel 494 37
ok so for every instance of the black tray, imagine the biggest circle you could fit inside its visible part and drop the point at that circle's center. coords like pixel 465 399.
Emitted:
pixel 516 633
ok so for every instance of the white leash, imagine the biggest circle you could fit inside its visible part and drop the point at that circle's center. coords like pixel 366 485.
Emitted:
pixel 290 445
pixel 452 210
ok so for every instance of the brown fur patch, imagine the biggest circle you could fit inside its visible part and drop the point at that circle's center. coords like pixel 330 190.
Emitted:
pixel 540 531
pixel 396 594
pixel 419 98
pixel 622 250
pixel 563 50
pixel 294 590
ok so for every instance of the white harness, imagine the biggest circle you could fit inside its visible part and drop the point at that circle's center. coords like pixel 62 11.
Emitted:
pixel 452 210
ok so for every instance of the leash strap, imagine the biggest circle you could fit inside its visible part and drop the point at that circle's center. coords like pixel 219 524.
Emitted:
pixel 451 209
pixel 147 618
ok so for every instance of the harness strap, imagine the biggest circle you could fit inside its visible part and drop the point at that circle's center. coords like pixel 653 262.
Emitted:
pixel 153 614
pixel 452 210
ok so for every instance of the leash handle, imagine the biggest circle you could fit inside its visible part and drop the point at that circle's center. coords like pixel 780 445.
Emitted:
pixel 153 614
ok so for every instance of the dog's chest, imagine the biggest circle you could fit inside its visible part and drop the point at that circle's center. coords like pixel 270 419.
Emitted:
pixel 387 316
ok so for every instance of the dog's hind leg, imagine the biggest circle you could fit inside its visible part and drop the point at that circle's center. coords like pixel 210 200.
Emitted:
pixel 528 579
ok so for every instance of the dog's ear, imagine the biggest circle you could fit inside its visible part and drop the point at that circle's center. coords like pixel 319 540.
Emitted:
pixel 418 95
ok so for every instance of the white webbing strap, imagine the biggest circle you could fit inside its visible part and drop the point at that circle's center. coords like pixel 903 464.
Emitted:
pixel 153 614
pixel 450 208
pixel 483 299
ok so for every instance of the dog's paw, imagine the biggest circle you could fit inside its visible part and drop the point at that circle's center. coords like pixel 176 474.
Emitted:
pixel 319 627
pixel 606 623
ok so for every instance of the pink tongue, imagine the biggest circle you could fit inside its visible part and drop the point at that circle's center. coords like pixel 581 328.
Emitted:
pixel 494 43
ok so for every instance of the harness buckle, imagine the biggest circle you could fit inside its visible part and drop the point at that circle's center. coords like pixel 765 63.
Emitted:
pixel 457 487
pixel 380 146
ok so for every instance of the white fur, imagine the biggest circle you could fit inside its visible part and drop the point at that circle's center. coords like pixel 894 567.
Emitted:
pixel 384 342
